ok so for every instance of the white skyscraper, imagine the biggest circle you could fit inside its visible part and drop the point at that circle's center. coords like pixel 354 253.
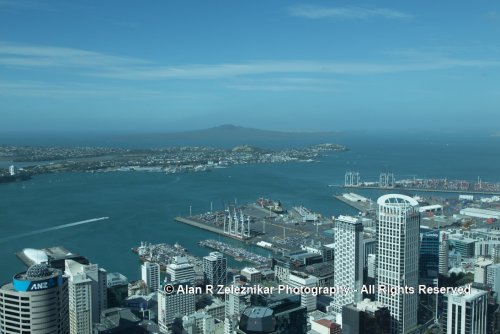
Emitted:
pixel 87 288
pixel 174 305
pixel 150 274
pixel 180 270
pixel 493 278
pixel 298 279
pixel 398 238
pixel 465 313
pixel 349 261
pixel 234 305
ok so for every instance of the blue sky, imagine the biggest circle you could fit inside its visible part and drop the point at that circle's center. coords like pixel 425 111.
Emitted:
pixel 316 65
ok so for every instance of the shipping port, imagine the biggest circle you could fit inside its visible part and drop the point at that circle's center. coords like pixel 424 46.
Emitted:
pixel 265 222
pixel 388 181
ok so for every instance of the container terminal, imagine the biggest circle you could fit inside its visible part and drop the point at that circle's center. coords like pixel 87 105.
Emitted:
pixel 387 181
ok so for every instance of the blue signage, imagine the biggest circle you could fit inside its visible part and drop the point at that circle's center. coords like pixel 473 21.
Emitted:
pixel 38 285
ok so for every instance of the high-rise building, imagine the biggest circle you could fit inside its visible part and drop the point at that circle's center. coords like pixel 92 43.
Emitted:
pixel 465 312
pixel 214 269
pixel 493 279
pixel 371 262
pixel 366 317
pixel 200 323
pixel 180 270
pixel 443 255
pixel 398 230
pixel 35 302
pixel 174 305
pixel 87 287
pixel 234 305
pixel 117 285
pixel 299 279
pixel 348 263
pixel 150 274
pixel 429 256
pixel 480 270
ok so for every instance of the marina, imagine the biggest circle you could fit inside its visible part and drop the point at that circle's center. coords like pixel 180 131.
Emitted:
pixel 237 253
pixel 163 255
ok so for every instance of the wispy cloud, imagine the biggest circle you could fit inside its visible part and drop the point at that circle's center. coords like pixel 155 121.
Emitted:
pixel 286 67
pixel 12 5
pixel 94 64
pixel 41 89
pixel 286 84
pixel 316 12
pixel 492 15
pixel 51 56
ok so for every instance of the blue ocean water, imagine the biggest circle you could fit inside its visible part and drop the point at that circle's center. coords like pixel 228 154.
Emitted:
pixel 141 205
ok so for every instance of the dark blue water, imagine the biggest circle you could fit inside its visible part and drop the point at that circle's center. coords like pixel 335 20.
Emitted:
pixel 142 205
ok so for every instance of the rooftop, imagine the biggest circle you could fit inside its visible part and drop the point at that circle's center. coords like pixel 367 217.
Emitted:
pixel 396 200
pixel 474 293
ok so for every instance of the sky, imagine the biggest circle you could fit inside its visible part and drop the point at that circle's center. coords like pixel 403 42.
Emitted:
pixel 153 66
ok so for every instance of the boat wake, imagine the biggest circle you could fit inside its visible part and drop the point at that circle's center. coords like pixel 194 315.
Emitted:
pixel 49 229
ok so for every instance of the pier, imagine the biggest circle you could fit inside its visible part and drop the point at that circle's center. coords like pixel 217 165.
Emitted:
pixel 206 227
pixel 362 206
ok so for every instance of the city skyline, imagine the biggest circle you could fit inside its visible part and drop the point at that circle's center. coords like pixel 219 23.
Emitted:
pixel 289 65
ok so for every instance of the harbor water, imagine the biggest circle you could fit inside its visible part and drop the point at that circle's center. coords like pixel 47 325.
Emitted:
pixel 142 206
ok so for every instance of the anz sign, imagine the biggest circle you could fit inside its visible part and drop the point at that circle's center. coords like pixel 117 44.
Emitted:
pixel 39 286
pixel 26 285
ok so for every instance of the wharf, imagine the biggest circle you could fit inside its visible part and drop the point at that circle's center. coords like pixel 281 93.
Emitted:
pixel 205 227
pixel 429 190
pixel 360 206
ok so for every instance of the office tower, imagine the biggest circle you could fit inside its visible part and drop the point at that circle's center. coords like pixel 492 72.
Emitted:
pixel 493 279
pixel 398 230
pixel 366 317
pixel 214 269
pixel 150 274
pixel 480 270
pixel 465 312
pixel 251 274
pixel 429 256
pixel 87 289
pixel 371 273
pixel 370 247
pixel 443 255
pixel 35 302
pixel 180 270
pixel 298 279
pixel 234 305
pixel 174 305
pixel 117 285
pixel 348 262
pixel 200 322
